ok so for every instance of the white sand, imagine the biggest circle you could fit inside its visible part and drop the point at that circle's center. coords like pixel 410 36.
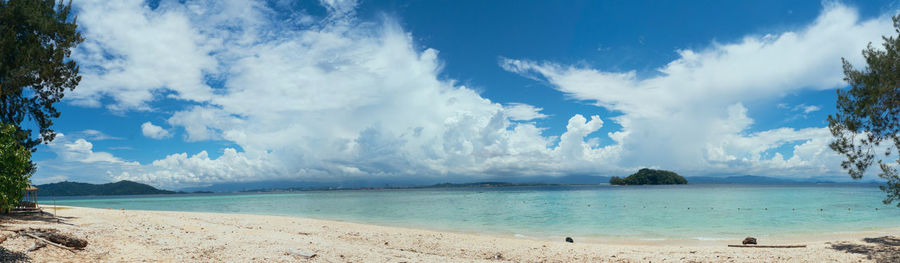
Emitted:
pixel 153 236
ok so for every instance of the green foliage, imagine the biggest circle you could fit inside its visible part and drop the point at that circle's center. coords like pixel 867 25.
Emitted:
pixel 867 114
pixel 649 176
pixel 615 180
pixel 117 188
pixel 15 167
pixel 36 38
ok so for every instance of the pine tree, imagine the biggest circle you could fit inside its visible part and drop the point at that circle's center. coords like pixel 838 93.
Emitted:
pixel 867 114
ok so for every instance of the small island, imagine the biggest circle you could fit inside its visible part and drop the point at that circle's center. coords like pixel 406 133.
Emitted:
pixel 649 176
pixel 81 189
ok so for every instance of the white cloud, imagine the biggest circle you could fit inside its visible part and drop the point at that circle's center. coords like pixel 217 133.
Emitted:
pixel 340 99
pixel 810 108
pixel 152 131
pixel 799 111
pixel 344 98
pixel 120 148
pixel 339 7
pixel 691 116
pixel 96 135
pixel 184 170
pixel 80 150
pixel 47 180
pixel 523 112
pixel 133 55
pixel 77 160
pixel 805 109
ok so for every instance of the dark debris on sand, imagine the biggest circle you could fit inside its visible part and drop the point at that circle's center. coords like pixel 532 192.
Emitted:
pixel 12 256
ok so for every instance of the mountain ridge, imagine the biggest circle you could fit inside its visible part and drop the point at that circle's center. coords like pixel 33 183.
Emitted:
pixel 123 187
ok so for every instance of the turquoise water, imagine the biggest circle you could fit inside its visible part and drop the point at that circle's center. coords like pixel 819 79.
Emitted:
pixel 640 212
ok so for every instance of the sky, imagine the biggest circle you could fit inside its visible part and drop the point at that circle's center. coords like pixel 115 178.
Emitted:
pixel 183 94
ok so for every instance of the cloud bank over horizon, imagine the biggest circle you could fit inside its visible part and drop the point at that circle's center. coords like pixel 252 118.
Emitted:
pixel 333 97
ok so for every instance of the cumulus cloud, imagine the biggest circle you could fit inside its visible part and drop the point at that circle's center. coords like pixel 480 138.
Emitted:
pixel 76 159
pixel 336 99
pixel 81 150
pixel 199 169
pixel 342 98
pixel 691 115
pixel 133 55
pixel 152 131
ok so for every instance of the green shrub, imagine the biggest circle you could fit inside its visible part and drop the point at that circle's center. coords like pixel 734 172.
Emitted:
pixel 15 167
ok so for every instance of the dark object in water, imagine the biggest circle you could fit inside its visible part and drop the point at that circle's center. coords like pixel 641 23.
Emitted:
pixel 749 241
pixel 569 240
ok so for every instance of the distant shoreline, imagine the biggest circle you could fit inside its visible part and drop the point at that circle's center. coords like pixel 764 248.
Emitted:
pixel 515 185
pixel 126 188
pixel 43 197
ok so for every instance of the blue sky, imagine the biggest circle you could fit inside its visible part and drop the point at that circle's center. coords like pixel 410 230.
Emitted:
pixel 191 93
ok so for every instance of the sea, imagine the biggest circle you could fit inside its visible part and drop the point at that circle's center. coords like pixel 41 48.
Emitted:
pixel 693 211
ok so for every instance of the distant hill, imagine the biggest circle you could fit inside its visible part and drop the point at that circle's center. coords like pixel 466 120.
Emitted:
pixel 398 182
pixel 753 179
pixel 441 185
pixel 117 188
pixel 745 179
pixel 483 184
pixel 649 176
pixel 417 182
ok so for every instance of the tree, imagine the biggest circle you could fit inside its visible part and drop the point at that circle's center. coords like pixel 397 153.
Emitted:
pixel 36 38
pixel 15 167
pixel 867 114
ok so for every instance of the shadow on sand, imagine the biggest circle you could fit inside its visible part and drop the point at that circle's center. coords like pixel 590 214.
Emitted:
pixel 41 216
pixel 880 249
pixel 12 256
pixel 11 219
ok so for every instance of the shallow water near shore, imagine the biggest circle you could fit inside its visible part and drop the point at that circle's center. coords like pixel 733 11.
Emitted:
pixel 702 212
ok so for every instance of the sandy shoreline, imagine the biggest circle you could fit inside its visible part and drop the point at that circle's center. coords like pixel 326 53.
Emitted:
pixel 162 236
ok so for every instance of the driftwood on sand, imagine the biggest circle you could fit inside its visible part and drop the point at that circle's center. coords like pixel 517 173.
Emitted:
pixel 302 254
pixel 62 239
pixel 36 245
pixel 52 237
pixel 50 242
pixel 769 246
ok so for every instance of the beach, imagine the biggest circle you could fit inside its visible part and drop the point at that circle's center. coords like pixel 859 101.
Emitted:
pixel 117 235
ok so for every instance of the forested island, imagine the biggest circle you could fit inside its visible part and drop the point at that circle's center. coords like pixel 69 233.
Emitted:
pixel 117 188
pixel 649 176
